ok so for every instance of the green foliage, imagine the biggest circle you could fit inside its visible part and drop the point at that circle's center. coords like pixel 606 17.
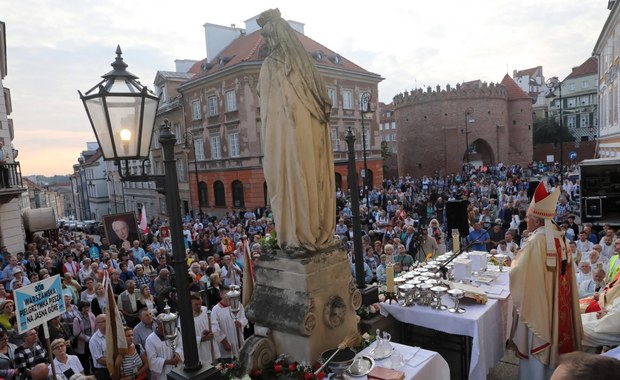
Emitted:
pixel 548 131
pixel 385 150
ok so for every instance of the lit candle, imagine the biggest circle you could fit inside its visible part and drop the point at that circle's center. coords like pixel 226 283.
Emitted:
pixel 456 244
pixel 389 271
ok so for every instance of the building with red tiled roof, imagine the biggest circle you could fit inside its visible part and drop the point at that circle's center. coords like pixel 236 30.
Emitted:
pixel 220 110
pixel 440 130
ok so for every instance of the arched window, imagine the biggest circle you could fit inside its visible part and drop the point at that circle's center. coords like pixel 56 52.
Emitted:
pixel 338 181
pixel 219 194
pixel 203 196
pixel 237 194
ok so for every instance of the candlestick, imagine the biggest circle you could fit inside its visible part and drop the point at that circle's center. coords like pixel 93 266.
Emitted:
pixel 456 243
pixel 389 271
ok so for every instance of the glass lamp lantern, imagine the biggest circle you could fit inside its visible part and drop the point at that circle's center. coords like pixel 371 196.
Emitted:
pixel 122 113
pixel 235 301
pixel 170 323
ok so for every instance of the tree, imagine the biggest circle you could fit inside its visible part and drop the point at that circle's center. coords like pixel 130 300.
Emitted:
pixel 548 131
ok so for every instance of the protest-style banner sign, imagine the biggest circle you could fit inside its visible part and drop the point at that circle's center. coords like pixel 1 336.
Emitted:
pixel 38 302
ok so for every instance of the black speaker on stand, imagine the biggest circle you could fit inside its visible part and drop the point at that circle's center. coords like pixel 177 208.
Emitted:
pixel 456 215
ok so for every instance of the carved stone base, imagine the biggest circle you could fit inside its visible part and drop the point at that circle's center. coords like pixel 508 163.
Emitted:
pixel 306 299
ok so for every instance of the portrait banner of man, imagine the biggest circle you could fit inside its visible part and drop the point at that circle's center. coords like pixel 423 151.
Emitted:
pixel 121 229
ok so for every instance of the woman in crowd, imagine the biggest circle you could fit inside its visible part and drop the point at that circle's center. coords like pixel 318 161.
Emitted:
pixel 7 310
pixel 66 364
pixel 147 298
pixel 134 365
pixel 99 303
pixel 7 357
pixel 213 293
pixel 58 331
pixel 83 329
pixel 90 293
pixel 71 311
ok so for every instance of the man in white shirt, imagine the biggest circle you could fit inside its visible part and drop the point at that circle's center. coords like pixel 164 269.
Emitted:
pixel 231 273
pixel 97 346
pixel 128 303
pixel 591 287
pixel 585 271
pixel 596 260
pixel 583 244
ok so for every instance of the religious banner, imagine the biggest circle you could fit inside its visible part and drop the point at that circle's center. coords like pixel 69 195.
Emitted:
pixel 38 302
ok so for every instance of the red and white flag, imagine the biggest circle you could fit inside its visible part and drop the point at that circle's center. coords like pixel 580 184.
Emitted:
pixel 143 224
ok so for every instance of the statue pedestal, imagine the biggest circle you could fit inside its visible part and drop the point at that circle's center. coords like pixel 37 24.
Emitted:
pixel 303 304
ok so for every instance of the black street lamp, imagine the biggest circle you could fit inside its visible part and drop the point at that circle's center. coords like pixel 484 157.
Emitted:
pixel 190 137
pixel 365 110
pixel 355 211
pixel 555 84
pixel 122 114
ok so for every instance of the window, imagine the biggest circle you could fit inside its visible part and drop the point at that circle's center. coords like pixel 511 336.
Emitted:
pixel 585 100
pixel 571 87
pixel 155 138
pixel 203 199
pixel 237 194
pixel 177 133
pixel 393 136
pixel 363 105
pixel 570 102
pixel 163 96
pixel 216 149
pixel 219 194
pixel 393 125
pixel 231 101
pixel 595 120
pixel 199 146
pixel 584 121
pixel 196 110
pixel 212 105
pixel 584 84
pixel 335 140
pixel 380 126
pixel 570 121
pixel 162 206
pixel 157 168
pixel 366 138
pixel 331 92
pixel 181 171
pixel 347 99
pixel 233 144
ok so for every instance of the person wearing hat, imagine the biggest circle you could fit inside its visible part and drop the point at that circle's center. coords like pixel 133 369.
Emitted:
pixel 18 276
pixel 545 293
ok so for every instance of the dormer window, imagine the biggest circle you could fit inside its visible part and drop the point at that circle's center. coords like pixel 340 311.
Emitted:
pixel 335 58
pixel 318 55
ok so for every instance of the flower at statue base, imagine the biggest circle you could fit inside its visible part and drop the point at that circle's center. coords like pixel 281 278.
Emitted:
pixel 269 242
pixel 367 339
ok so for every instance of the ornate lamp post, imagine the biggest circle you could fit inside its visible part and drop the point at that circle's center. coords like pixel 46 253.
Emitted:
pixel 555 84
pixel 355 212
pixel 365 110
pixel 122 114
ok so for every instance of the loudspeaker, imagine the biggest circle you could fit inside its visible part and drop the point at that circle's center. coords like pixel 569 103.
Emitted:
pixel 456 214
pixel 531 189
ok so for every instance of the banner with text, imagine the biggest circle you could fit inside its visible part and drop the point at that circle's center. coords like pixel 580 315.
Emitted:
pixel 39 302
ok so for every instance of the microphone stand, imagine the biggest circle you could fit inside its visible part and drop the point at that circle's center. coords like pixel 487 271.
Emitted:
pixel 443 267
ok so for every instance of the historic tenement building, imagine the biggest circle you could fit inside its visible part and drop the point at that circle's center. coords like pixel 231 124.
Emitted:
pixel 436 128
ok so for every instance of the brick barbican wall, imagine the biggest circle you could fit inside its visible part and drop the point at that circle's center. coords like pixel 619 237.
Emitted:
pixel 432 136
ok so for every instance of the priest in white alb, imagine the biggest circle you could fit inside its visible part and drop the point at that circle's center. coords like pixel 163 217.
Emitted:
pixel 161 358
pixel 231 329
pixel 207 331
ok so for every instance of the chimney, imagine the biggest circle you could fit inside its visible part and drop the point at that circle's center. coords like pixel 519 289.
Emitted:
pixel 218 37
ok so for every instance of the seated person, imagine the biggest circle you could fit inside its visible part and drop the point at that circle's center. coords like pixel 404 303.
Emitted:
pixel 585 271
pixel 602 327
pixel 592 287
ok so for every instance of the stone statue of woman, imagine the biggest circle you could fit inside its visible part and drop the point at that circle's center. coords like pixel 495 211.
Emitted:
pixel 298 159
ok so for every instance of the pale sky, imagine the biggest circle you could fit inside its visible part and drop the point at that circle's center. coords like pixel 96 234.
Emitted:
pixel 56 47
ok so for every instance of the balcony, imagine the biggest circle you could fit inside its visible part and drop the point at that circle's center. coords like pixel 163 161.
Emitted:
pixel 11 185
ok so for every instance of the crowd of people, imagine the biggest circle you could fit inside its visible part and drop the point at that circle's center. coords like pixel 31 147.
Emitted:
pixel 405 224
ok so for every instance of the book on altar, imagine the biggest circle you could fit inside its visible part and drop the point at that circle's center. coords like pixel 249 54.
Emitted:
pixel 382 373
